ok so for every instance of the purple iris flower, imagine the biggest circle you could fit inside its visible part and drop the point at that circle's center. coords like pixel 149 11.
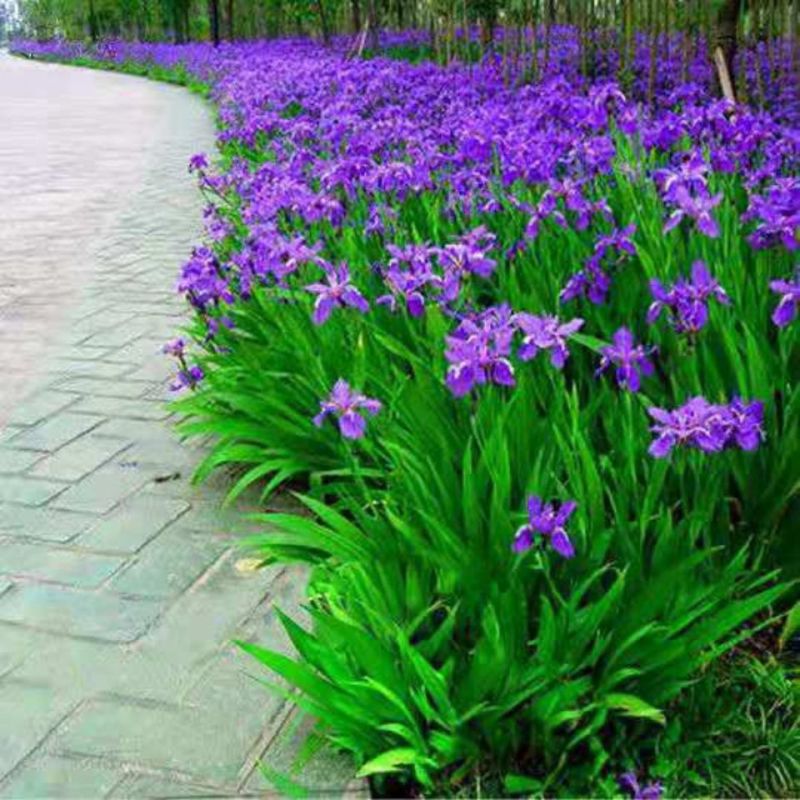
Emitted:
pixel 479 350
pixel 636 791
pixel 632 361
pixel 187 378
pixel 469 254
pixel 408 274
pixel 619 240
pixel 698 207
pixel 778 215
pixel 786 310
pixel 347 406
pixel 687 300
pixel 198 162
pixel 691 174
pixel 708 427
pixel 545 333
pixel 547 520
pixel 337 292
pixel 176 347
pixel 593 281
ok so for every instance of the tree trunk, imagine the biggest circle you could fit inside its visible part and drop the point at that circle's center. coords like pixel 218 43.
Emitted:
pixel 213 21
pixel 323 23
pixel 725 40
pixel 488 23
pixel 231 28
pixel 177 23
pixel 92 22
pixel 355 15
pixel 373 34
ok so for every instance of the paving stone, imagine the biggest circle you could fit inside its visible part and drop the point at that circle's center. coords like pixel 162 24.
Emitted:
pixel 41 405
pixel 117 336
pixel 156 788
pixel 83 353
pixel 74 567
pixel 121 407
pixel 169 564
pixel 133 524
pixel 103 489
pixel 55 432
pixel 140 350
pixel 27 715
pixel 100 387
pixel 77 459
pixel 135 430
pixel 9 432
pixel 51 777
pixel 89 369
pixel 47 524
pixel 207 618
pixel 169 455
pixel 25 491
pixel 208 744
pixel 71 612
pixel 14 461
pixel 17 644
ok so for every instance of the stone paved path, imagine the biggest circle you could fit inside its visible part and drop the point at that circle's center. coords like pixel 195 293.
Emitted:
pixel 119 592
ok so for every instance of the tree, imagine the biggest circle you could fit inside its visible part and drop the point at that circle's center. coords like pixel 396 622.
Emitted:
pixel 213 21
pixel 725 33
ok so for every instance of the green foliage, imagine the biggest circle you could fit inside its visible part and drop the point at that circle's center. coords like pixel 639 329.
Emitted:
pixel 735 733
pixel 436 655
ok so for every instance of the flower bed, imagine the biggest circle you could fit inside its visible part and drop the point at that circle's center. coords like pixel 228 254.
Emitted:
pixel 529 355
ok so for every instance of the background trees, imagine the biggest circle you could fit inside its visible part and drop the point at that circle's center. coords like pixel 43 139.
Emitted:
pixel 509 27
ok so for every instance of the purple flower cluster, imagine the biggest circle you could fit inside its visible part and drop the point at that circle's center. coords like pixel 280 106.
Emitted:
pixel 686 301
pixel 594 281
pixel 188 375
pixel 546 520
pixel 777 212
pixel 685 190
pixel 708 427
pixel 422 273
pixel 479 350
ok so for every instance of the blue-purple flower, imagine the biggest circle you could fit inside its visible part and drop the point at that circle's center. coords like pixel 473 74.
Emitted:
pixel 632 361
pixel 697 207
pixel 198 162
pixel 786 310
pixel 547 520
pixel 545 333
pixel 686 301
pixel 778 215
pixel 479 349
pixel 593 281
pixel 708 427
pixel 629 784
pixel 337 292
pixel 348 407
pixel 187 377
pixel 469 254
pixel 175 347
pixel 407 277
